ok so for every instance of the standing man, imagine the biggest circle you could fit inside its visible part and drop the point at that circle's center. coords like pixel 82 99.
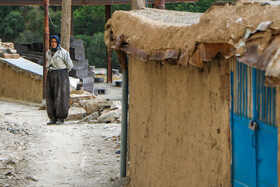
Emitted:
pixel 58 64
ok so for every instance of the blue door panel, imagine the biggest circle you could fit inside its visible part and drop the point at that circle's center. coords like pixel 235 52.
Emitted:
pixel 244 163
pixel 254 151
pixel 267 156
pixel 238 184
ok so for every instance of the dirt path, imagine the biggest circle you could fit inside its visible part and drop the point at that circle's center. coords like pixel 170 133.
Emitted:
pixel 34 154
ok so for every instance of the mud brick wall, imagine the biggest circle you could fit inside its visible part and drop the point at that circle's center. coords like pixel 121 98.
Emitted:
pixel 179 124
pixel 19 84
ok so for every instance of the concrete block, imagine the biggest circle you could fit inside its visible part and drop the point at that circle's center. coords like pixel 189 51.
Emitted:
pixel 87 83
pixel 91 68
pixel 98 79
pixel 86 67
pixel 118 83
pixel 77 65
pixel 83 61
pixel 79 73
pixel 76 43
pixel 87 80
pixel 78 56
pixel 79 86
pixel 102 91
pixel 88 88
pixel 91 74
pixel 79 49
pixel 115 71
pixel 95 91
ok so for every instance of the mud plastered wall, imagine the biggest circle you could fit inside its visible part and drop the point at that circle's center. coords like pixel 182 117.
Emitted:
pixel 19 84
pixel 179 124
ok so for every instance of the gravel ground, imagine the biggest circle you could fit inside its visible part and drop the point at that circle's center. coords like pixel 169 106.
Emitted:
pixel 34 154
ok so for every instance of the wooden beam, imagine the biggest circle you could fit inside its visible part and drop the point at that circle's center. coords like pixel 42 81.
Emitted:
pixel 80 2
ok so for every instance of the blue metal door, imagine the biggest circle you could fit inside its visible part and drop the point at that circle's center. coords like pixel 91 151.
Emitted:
pixel 254 130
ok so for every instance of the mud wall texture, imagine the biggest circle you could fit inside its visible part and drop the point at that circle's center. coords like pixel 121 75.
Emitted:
pixel 179 129
pixel 20 84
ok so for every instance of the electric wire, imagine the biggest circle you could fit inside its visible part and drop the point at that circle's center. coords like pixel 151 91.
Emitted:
pixel 52 21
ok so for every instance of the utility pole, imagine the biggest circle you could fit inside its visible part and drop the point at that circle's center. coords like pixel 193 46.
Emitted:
pixel 66 24
pixel 137 4
pixel 46 43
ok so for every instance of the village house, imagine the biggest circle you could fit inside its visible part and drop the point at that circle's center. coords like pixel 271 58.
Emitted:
pixel 19 78
pixel 203 94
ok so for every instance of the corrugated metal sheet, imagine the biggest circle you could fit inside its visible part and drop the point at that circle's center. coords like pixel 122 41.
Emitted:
pixel 255 58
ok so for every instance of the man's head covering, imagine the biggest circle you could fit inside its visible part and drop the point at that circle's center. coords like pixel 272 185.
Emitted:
pixel 57 40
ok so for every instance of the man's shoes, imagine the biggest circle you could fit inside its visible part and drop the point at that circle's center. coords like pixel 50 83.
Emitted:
pixel 51 122
pixel 60 121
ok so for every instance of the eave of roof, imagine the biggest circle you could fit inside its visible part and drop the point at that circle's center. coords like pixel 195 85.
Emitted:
pixel 247 31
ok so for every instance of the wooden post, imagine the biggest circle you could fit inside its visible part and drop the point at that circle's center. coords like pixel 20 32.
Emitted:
pixel 72 23
pixel 108 51
pixel 66 24
pixel 46 43
pixel 137 4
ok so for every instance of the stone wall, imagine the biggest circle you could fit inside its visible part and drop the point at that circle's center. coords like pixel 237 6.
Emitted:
pixel 20 84
pixel 179 127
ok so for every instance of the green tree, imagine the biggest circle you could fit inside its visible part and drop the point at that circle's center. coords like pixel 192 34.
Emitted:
pixel 12 26
pixel 29 37
pixel 34 24
pixel 125 7
pixel 89 19
pixel 200 6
